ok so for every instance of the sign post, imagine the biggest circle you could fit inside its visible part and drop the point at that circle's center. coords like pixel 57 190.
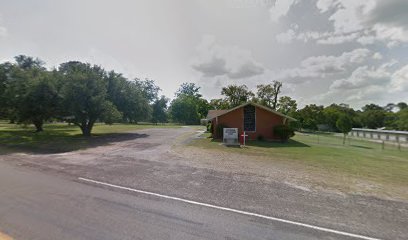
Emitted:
pixel 230 136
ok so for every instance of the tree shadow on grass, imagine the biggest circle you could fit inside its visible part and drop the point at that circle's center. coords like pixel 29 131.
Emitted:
pixel 57 141
pixel 358 146
pixel 272 144
pixel 269 144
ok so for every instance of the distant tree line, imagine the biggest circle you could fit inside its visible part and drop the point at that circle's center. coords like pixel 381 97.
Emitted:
pixel 83 94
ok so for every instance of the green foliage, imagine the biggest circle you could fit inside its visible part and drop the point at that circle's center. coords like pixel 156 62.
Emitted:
pixel 209 127
pixel 159 114
pixel 148 88
pixel 219 104
pixel 334 111
pixel 5 108
pixel 188 107
pixel 129 97
pixel 29 63
pixel 189 89
pixel 85 96
pixel 373 118
pixel 184 109
pixel 402 106
pixel 287 105
pixel 402 120
pixel 111 114
pixel 310 116
pixel 267 95
pixel 344 124
pixel 260 138
pixel 284 132
pixel 220 130
pixel 202 107
pixel 236 95
pixel 370 107
pixel 29 92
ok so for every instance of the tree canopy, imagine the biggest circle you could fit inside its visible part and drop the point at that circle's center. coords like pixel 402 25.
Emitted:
pixel 237 95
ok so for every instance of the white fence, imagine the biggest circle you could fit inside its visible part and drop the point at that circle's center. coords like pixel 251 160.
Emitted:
pixel 381 135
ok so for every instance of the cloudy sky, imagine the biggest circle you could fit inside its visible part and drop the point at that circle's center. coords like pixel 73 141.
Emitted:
pixel 324 51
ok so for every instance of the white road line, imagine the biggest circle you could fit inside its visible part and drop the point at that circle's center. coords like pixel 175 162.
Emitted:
pixel 233 210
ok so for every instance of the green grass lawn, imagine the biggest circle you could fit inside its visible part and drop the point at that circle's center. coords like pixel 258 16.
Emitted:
pixel 325 154
pixel 61 137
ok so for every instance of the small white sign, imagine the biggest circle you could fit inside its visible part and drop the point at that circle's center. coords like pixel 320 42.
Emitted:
pixel 230 136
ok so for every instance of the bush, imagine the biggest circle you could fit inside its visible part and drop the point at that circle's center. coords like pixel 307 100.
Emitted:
pixel 260 138
pixel 209 127
pixel 284 132
pixel 220 130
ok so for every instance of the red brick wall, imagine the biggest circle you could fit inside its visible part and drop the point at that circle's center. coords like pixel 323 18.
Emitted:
pixel 265 121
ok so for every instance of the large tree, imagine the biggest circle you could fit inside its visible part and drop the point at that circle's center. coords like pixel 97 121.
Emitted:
pixel 184 109
pixel 40 102
pixel 85 95
pixel 373 116
pixel 334 111
pixel 159 114
pixel 218 104
pixel 189 89
pixel 402 105
pixel 236 95
pixel 287 105
pixel 310 116
pixel 130 98
pixel 5 70
pixel 148 88
pixel 30 92
pixel 268 94
pixel 402 120
pixel 189 107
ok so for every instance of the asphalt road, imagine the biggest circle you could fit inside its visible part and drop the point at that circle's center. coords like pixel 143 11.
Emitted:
pixel 36 205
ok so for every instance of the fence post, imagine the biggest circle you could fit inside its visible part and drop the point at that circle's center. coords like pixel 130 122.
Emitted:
pixel 399 145
pixel 383 145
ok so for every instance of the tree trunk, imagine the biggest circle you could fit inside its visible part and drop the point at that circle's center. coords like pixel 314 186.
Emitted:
pixel 86 128
pixel 86 131
pixel 38 125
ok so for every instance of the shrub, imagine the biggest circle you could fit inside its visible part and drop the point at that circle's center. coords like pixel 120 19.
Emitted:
pixel 220 130
pixel 209 127
pixel 260 138
pixel 284 132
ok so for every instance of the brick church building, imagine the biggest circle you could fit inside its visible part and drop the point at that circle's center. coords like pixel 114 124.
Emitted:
pixel 255 119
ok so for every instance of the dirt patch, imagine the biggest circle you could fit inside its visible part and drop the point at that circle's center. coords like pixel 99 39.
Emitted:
pixel 291 173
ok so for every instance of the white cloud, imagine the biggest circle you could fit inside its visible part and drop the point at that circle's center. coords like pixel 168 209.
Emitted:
pixel 321 66
pixel 286 37
pixel 216 60
pixel 326 5
pixel 369 84
pixel 280 9
pixel 364 22
pixel 399 80
pixel 337 39
pixel 3 30
pixel 363 77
